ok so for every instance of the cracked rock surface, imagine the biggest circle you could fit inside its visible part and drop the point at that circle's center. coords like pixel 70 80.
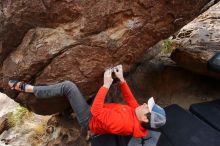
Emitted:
pixel 199 41
pixel 48 41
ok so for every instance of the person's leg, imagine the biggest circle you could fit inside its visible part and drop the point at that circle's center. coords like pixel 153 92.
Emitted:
pixel 67 89
pixel 150 140
pixel 71 91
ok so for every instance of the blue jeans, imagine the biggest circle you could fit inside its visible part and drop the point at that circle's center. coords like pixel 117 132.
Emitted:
pixel 70 90
pixel 150 140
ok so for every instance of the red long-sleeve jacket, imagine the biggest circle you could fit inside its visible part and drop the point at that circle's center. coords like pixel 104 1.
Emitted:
pixel 115 118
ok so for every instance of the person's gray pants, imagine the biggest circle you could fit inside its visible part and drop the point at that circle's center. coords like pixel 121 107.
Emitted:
pixel 150 140
pixel 71 91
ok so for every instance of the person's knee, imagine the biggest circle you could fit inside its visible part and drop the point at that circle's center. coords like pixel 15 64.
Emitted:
pixel 69 85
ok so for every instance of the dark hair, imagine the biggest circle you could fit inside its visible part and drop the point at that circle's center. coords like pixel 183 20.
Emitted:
pixel 146 125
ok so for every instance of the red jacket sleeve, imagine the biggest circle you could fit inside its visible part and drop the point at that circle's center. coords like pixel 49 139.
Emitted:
pixel 127 94
pixel 107 116
pixel 98 104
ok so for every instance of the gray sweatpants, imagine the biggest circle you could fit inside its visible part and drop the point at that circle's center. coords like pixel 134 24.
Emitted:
pixel 150 140
pixel 71 91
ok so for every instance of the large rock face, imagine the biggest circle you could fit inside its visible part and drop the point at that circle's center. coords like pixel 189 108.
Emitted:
pixel 195 60
pixel 77 40
pixel 199 40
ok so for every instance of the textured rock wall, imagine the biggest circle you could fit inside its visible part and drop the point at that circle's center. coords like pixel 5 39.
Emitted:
pixel 202 31
pixel 49 41
pixel 168 83
pixel 199 40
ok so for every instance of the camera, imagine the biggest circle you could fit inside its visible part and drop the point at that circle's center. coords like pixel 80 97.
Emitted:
pixel 113 69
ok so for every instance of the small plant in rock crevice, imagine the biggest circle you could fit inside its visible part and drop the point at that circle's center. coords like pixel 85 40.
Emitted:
pixel 17 116
pixel 167 46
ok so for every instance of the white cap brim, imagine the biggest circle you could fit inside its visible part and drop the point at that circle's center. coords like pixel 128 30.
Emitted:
pixel 151 103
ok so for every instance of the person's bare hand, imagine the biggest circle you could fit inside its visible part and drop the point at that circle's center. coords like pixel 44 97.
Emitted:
pixel 108 78
pixel 119 72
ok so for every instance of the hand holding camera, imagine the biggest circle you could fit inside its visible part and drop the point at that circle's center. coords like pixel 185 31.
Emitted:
pixel 117 70
pixel 108 78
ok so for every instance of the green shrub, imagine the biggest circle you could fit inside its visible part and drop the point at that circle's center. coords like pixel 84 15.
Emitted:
pixel 167 46
pixel 17 116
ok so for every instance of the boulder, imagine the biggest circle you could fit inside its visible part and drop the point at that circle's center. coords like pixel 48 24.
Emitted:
pixel 198 41
pixel 4 125
pixel 168 83
pixel 195 60
pixel 45 42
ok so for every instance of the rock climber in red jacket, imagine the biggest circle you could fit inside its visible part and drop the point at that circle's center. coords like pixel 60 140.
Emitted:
pixel 121 119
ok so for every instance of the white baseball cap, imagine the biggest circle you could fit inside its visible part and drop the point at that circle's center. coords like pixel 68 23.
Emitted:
pixel 158 115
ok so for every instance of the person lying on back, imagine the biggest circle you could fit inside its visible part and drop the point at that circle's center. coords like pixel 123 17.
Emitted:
pixel 102 118
pixel 129 119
